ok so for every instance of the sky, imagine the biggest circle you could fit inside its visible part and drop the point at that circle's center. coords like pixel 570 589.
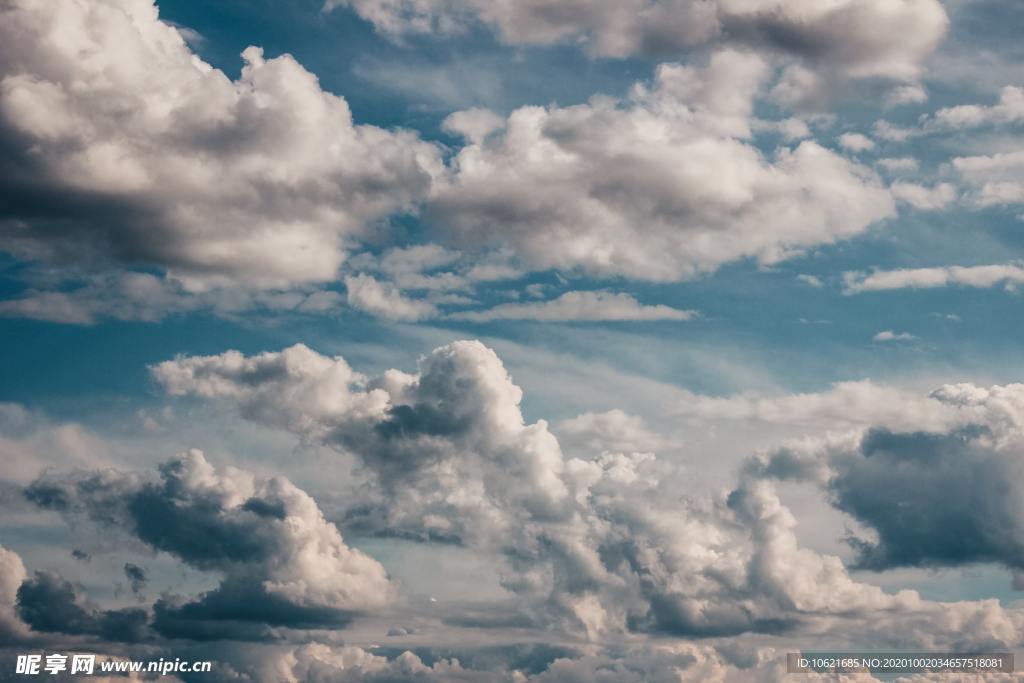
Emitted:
pixel 516 341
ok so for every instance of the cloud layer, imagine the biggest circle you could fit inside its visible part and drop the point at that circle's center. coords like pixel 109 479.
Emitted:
pixel 598 545
pixel 888 38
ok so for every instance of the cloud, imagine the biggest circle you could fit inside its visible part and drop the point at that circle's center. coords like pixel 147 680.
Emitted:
pixel 365 293
pixel 413 283
pixel 659 187
pixel 933 496
pixel 578 306
pixel 12 574
pixel 893 133
pixel 596 545
pixel 924 198
pixel 929 278
pixel 842 406
pixel 1009 110
pixel 889 335
pixel 855 142
pixel 995 180
pixel 614 431
pixel 296 389
pixel 50 604
pixel 473 125
pixel 812 280
pixel 906 94
pixel 678 662
pixel 137 578
pixel 282 563
pixel 878 38
pixel 144 154
pixel 149 298
pixel 897 164
pixel 29 441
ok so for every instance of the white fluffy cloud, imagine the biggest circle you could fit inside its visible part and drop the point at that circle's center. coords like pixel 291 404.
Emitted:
pixel 660 187
pixel 12 573
pixel 890 336
pixel 385 300
pixel 887 38
pixel 995 179
pixel 929 278
pixel 856 142
pixel 160 159
pixel 1009 109
pixel 925 198
pixel 578 306
pixel 898 164
pixel 143 296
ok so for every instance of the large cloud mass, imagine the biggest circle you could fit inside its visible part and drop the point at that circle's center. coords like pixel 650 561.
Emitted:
pixel 599 545
pixel 162 162
pixel 158 159
pixel 663 186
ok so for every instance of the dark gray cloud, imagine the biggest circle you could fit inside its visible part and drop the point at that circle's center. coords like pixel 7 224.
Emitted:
pixel 51 604
pixel 282 562
pixel 936 496
pixel 137 578
pixel 934 499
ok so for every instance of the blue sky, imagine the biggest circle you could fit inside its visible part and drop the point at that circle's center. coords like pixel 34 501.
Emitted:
pixel 724 264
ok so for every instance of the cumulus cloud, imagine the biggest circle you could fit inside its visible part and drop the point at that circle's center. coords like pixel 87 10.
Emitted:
pixel 596 545
pixel 385 300
pixel 877 38
pixel 578 306
pixel 677 662
pixel 282 563
pixel 12 574
pixel 925 198
pixel 929 278
pixel 994 180
pixel 856 142
pixel 662 186
pixel 913 93
pixel 1008 110
pixel 157 158
pixel 933 496
pixel 50 604
pixel 893 133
